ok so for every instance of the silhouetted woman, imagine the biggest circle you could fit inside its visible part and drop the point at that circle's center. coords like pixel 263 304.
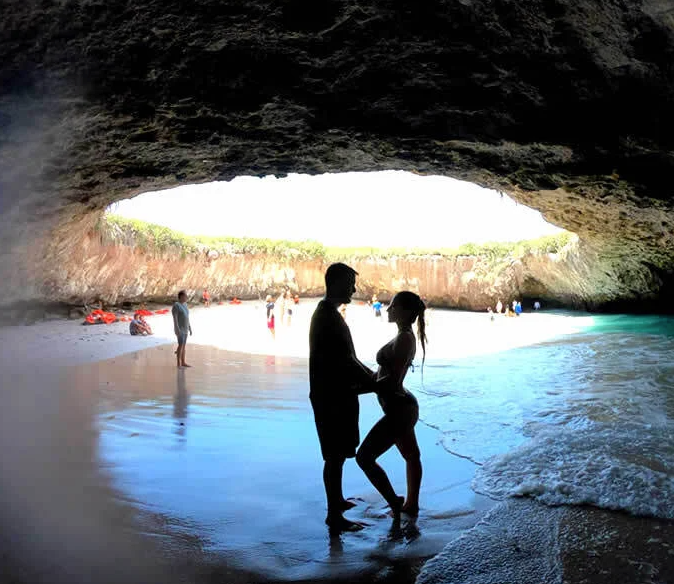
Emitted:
pixel 401 410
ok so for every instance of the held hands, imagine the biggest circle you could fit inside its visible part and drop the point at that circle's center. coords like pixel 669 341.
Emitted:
pixel 381 383
pixel 366 384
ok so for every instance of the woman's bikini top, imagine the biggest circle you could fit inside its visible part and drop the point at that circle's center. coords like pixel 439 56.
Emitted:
pixel 385 355
pixel 385 359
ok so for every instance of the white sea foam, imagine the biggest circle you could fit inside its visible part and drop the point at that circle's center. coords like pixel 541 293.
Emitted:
pixel 621 466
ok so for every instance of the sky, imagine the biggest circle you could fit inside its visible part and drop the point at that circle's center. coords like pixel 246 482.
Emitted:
pixel 378 209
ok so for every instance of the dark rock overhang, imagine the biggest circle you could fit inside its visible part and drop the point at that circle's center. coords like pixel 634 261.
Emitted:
pixel 565 105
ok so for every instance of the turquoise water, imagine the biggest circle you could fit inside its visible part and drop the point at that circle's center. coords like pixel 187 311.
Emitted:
pixel 582 418
pixel 629 324
pixel 567 408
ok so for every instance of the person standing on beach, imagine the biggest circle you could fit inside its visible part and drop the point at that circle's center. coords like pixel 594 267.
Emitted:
pixel 181 326
pixel 401 409
pixel 271 321
pixel 288 307
pixel 376 305
pixel 281 306
pixel 336 378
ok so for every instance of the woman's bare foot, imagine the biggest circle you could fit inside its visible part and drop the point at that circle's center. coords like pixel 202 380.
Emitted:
pixel 339 524
pixel 186 365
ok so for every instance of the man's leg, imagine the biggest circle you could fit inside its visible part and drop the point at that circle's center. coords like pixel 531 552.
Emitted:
pixel 182 356
pixel 332 479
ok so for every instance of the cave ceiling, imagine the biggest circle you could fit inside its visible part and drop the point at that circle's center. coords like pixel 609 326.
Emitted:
pixel 564 104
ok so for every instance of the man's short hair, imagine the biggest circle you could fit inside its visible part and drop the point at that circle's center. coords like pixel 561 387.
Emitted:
pixel 338 272
pixel 181 293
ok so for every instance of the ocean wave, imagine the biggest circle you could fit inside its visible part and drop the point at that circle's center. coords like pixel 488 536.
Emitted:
pixel 627 467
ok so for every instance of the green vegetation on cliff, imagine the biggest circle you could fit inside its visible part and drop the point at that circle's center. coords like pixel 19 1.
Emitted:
pixel 158 239
pixel 151 237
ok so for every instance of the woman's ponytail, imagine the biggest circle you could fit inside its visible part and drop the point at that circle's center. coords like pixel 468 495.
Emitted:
pixel 421 331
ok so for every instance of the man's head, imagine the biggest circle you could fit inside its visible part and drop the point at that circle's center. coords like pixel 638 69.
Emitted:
pixel 182 296
pixel 340 283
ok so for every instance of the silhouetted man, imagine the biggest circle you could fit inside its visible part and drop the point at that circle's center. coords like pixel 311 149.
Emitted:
pixel 336 378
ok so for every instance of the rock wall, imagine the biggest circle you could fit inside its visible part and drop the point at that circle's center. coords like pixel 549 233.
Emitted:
pixel 86 265
pixel 563 104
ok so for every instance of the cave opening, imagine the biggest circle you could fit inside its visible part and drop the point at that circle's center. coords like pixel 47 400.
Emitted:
pixel 380 210
pixel 446 239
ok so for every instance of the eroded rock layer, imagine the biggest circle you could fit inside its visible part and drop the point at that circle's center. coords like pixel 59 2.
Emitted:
pixel 564 104
pixel 94 263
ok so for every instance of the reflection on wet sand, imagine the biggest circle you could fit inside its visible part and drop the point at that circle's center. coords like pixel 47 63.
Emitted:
pixel 127 471
pixel 180 403
pixel 226 453
pixel 60 520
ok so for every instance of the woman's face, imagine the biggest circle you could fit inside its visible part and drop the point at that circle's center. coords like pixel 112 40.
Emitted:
pixel 396 313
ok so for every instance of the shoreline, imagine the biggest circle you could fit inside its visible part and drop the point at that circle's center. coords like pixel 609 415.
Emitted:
pixel 36 312
pixel 43 403
pixel 58 483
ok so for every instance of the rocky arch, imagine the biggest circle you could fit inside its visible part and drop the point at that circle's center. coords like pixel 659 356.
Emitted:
pixel 565 105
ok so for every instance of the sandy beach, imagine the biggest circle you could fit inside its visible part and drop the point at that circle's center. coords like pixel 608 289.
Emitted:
pixel 219 462
pixel 119 467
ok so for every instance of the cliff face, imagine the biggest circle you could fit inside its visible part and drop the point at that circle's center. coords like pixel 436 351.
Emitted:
pixel 91 264
pixel 564 104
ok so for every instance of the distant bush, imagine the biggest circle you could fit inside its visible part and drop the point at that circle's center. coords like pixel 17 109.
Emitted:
pixel 151 237
pixel 491 250
pixel 155 238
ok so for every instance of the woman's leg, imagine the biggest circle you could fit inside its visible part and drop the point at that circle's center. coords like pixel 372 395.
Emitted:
pixel 409 448
pixel 378 441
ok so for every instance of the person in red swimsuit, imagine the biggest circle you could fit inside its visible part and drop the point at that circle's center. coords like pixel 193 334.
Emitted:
pixel 271 321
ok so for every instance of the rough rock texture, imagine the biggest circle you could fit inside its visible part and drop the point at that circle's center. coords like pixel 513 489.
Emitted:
pixel 564 104
pixel 88 265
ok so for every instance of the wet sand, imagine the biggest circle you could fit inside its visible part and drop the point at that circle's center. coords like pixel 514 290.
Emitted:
pixel 117 468
pixel 124 469
pixel 226 453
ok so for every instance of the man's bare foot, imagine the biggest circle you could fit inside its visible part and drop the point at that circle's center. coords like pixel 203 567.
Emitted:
pixel 348 504
pixel 186 365
pixel 340 524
